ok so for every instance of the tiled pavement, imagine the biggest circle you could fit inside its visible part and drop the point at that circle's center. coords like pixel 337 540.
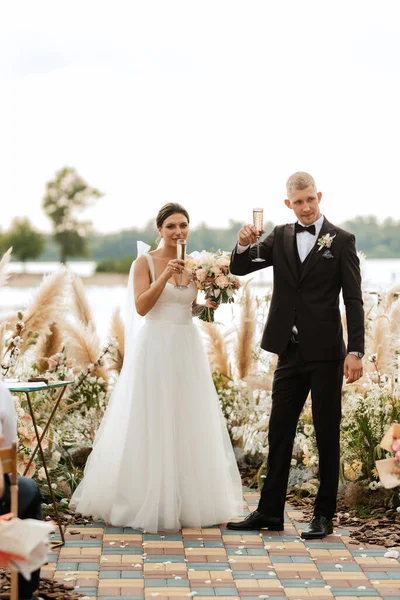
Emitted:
pixel 108 562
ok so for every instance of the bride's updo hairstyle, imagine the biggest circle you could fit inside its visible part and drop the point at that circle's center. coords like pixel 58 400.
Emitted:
pixel 172 208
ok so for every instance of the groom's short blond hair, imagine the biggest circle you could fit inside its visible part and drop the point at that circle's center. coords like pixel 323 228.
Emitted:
pixel 300 181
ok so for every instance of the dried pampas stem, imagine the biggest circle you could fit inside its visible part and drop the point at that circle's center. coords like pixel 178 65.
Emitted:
pixel 83 347
pixel 48 346
pixel 217 349
pixel 3 328
pixel 246 333
pixel 379 345
pixel 117 332
pixel 80 304
pixel 3 264
pixel 46 305
pixel 394 318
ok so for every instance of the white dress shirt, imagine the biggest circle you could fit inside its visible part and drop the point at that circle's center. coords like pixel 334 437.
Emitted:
pixel 8 419
pixel 305 241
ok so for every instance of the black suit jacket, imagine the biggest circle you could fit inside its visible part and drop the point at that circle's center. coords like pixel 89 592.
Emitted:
pixel 309 297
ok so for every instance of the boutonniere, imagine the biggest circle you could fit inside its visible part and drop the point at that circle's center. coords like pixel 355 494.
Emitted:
pixel 325 241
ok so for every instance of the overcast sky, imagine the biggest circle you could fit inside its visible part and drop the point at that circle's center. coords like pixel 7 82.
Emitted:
pixel 208 103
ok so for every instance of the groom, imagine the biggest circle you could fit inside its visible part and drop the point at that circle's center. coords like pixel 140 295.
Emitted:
pixel 313 262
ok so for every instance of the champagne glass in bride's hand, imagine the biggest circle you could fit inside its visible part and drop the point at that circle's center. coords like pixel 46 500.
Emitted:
pixel 258 224
pixel 180 255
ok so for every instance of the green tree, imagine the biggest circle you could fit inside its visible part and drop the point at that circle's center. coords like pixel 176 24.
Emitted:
pixel 65 196
pixel 27 243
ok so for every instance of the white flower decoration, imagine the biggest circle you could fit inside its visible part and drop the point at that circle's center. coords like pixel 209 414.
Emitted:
pixel 325 241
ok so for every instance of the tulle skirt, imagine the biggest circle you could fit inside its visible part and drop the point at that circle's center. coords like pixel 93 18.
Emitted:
pixel 162 458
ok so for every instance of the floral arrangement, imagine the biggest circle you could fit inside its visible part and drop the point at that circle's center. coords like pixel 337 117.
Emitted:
pixel 55 337
pixel 12 345
pixel 389 468
pixel 367 413
pixel 78 417
pixel 210 272
pixel 325 241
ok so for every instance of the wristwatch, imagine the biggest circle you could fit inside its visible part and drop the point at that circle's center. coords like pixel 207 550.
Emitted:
pixel 358 354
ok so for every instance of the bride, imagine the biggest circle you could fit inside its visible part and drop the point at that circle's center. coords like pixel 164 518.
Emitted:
pixel 162 458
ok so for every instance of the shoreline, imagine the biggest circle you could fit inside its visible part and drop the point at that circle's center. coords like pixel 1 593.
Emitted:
pixel 32 280
pixel 27 280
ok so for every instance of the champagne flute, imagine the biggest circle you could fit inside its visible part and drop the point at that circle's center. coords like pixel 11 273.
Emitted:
pixel 181 255
pixel 258 219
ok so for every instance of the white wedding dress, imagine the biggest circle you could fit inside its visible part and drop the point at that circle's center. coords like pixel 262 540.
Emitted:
pixel 162 458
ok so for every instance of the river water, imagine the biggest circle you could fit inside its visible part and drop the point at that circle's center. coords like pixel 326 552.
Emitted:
pixel 378 274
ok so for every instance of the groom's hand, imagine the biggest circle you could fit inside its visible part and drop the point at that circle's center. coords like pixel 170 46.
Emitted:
pixel 248 235
pixel 353 368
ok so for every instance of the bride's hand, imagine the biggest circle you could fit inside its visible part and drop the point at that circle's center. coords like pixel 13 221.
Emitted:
pixel 175 265
pixel 211 304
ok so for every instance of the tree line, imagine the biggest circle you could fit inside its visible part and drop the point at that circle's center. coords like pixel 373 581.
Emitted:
pixel 72 238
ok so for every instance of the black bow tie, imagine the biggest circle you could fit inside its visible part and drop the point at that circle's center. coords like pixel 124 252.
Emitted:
pixel 299 228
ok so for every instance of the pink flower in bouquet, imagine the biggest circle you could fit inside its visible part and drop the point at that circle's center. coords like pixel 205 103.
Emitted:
pixel 222 281
pixel 201 275
pixel 397 455
pixel 223 262
pixel 216 270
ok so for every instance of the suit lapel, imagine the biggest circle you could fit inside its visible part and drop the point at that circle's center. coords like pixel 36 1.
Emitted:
pixel 288 243
pixel 316 254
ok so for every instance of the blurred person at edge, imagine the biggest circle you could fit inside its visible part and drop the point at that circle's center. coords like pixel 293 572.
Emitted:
pixel 29 497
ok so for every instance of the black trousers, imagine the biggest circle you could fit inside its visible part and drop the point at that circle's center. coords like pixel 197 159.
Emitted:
pixel 29 507
pixel 293 380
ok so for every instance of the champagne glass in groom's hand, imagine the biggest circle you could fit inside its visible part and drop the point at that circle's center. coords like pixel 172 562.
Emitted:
pixel 181 255
pixel 258 217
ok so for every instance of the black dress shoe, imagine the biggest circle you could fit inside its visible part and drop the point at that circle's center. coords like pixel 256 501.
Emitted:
pixel 257 520
pixel 319 527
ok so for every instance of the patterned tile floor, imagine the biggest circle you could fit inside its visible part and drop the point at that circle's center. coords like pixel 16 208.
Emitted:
pixel 109 562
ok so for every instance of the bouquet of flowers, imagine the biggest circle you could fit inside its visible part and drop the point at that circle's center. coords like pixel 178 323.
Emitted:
pixel 210 272
pixel 389 468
